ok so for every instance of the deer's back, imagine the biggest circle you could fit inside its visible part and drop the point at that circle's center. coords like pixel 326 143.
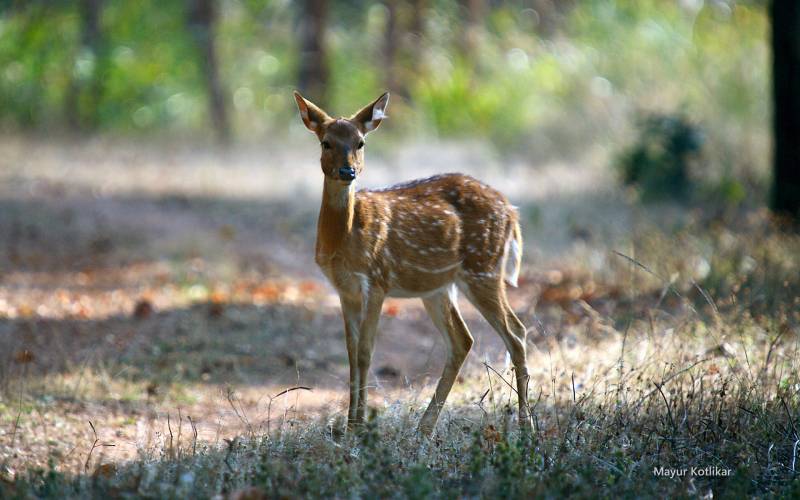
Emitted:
pixel 418 236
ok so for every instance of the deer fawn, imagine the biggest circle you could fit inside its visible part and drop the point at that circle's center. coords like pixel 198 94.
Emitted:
pixel 426 238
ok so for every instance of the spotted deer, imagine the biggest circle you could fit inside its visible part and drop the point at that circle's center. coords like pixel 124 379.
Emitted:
pixel 426 238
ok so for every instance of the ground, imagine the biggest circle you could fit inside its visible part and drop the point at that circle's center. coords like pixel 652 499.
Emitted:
pixel 159 299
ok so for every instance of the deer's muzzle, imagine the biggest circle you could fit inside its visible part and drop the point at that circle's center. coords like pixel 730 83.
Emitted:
pixel 347 173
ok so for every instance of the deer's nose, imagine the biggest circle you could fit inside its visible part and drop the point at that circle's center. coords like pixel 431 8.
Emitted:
pixel 347 173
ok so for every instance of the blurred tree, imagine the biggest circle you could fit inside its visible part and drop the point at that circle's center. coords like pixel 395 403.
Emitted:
pixel 552 14
pixel 473 12
pixel 402 47
pixel 86 82
pixel 313 72
pixel 418 11
pixel 785 16
pixel 390 46
pixel 202 19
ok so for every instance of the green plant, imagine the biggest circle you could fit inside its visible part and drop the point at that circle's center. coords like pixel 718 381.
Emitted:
pixel 660 158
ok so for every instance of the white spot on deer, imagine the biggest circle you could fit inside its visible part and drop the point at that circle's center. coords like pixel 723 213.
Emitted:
pixel 439 270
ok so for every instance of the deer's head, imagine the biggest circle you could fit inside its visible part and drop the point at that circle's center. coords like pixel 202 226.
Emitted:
pixel 342 139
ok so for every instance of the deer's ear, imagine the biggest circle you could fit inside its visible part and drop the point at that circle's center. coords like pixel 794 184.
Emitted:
pixel 371 115
pixel 313 116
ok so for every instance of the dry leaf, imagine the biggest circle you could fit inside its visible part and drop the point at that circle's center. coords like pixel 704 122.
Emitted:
pixel 391 310
pixel 216 309
pixel 491 434
pixel 24 357
pixel 105 470
pixel 309 287
pixel 143 309
pixel 250 493
pixel 227 232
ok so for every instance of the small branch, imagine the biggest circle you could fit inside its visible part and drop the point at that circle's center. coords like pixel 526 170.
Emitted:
pixel 286 391
pixel 791 419
pixel 94 445
pixel 194 428
pixel 488 366
pixel 771 347
pixel 574 399
pixel 170 450
pixel 480 402
pixel 666 403
pixel 273 398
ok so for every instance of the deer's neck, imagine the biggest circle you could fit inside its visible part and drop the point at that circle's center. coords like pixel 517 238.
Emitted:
pixel 335 218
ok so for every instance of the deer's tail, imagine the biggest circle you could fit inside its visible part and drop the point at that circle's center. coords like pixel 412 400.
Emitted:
pixel 513 254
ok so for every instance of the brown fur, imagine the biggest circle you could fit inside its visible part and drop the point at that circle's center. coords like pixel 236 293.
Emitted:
pixel 419 239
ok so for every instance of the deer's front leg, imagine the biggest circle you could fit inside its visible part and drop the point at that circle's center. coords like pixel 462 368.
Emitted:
pixel 373 303
pixel 351 310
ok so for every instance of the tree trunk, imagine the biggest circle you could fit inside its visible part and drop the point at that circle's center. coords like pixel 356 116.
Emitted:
pixel 313 71
pixel 86 84
pixel 391 44
pixel 419 9
pixel 474 12
pixel 402 45
pixel 202 19
pixel 785 16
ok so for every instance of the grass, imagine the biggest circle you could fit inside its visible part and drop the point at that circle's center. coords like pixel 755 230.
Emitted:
pixel 668 401
pixel 668 380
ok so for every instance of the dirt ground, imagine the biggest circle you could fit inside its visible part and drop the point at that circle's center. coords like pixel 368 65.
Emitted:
pixel 156 289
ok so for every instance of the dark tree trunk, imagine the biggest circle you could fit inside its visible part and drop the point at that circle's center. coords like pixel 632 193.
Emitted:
pixel 785 16
pixel 86 85
pixel 391 44
pixel 474 12
pixel 313 71
pixel 202 20
pixel 419 8
pixel 402 45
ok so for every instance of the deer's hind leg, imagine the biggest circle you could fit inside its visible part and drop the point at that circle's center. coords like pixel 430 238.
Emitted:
pixel 488 295
pixel 443 310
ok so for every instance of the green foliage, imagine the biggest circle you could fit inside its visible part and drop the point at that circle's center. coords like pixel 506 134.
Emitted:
pixel 513 84
pixel 659 160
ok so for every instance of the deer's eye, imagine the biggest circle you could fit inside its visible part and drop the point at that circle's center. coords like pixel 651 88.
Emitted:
pixel 326 145
pixel 360 144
